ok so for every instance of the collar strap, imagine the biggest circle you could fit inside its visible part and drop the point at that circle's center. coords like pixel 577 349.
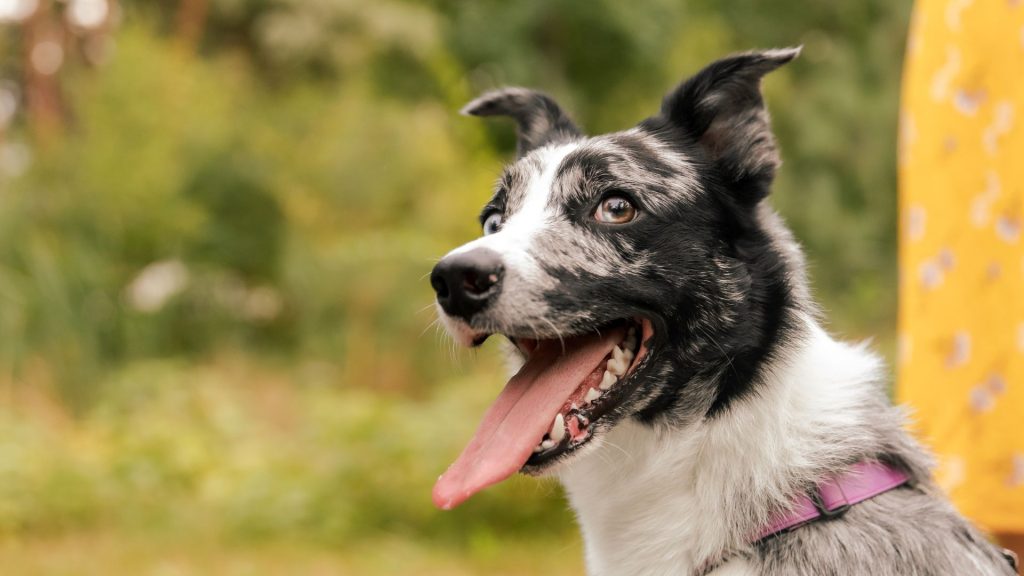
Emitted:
pixel 833 497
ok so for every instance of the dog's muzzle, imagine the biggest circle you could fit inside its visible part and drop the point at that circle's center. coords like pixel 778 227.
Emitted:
pixel 467 282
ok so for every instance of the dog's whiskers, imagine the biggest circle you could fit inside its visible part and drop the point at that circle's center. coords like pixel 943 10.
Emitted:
pixel 436 323
pixel 427 307
pixel 725 354
pixel 557 333
pixel 619 448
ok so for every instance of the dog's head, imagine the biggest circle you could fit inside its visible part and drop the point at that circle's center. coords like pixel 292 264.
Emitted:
pixel 637 274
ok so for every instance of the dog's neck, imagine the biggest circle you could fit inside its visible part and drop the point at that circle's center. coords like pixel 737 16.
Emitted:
pixel 665 500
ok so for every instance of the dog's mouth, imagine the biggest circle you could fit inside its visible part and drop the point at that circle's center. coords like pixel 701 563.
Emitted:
pixel 550 408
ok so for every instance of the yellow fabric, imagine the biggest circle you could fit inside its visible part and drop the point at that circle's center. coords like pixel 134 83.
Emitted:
pixel 961 174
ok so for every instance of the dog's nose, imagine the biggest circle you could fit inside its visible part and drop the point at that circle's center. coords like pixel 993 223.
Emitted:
pixel 467 282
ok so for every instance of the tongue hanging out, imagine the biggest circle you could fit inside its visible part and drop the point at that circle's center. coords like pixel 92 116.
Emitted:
pixel 523 412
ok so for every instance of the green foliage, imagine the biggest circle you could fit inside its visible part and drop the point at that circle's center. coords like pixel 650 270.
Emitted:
pixel 252 453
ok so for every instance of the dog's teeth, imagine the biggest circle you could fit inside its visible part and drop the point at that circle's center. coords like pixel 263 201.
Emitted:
pixel 618 354
pixel 547 445
pixel 617 366
pixel 608 381
pixel 631 339
pixel 623 357
pixel 538 448
pixel 558 429
pixel 613 367
pixel 592 394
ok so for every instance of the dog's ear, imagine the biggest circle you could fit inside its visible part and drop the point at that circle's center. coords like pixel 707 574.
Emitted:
pixel 721 108
pixel 540 119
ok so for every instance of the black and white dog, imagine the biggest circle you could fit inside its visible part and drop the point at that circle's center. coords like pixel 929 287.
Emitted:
pixel 672 370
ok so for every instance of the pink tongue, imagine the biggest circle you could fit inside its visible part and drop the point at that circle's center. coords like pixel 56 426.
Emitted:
pixel 522 414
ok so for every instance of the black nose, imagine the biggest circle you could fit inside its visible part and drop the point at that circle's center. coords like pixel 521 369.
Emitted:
pixel 468 281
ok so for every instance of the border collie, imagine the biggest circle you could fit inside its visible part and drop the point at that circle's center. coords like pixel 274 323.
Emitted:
pixel 671 367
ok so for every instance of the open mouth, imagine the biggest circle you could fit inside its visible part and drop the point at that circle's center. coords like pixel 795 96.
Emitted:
pixel 595 396
pixel 550 408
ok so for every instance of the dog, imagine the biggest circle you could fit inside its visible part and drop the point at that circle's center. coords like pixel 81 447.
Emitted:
pixel 671 369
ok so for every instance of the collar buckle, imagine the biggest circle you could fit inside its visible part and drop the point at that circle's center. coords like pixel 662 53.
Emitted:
pixel 823 509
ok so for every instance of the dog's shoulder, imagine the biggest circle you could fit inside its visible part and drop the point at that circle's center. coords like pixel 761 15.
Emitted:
pixel 904 531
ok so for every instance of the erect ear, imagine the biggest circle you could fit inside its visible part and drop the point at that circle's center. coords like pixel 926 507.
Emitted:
pixel 541 120
pixel 721 108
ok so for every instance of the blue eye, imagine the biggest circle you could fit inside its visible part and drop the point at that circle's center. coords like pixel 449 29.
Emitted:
pixel 492 223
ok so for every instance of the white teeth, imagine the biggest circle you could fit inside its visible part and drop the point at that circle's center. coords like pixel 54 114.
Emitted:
pixel 557 429
pixel 630 339
pixel 617 366
pixel 622 358
pixel 608 381
pixel 618 354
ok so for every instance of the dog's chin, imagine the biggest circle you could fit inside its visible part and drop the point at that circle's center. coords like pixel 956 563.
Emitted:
pixel 462 333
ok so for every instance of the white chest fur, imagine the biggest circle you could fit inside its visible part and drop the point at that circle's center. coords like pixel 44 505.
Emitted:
pixel 639 507
pixel 659 501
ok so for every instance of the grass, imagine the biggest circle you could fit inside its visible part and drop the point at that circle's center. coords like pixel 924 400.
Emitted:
pixel 237 466
pixel 106 553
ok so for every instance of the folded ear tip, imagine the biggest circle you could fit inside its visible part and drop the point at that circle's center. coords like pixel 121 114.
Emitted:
pixel 476 106
pixel 488 102
pixel 470 109
pixel 777 56
pixel 761 62
pixel 783 55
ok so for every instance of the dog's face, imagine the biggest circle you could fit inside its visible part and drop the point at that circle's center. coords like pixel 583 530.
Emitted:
pixel 636 274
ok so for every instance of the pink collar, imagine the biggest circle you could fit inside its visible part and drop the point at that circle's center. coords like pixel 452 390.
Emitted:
pixel 834 496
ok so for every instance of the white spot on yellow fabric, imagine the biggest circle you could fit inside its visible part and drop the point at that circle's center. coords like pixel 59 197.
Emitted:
pixel 951 473
pixel 960 350
pixel 1002 122
pixel 968 102
pixel 917 217
pixel 943 78
pixel 931 275
pixel 904 348
pixel 954 10
pixel 982 203
pixel 1016 470
pixel 982 400
pixel 1008 229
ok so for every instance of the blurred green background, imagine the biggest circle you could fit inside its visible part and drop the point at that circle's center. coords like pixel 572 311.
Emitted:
pixel 216 221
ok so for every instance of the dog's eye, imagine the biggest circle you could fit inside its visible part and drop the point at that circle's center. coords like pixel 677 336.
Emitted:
pixel 615 210
pixel 492 223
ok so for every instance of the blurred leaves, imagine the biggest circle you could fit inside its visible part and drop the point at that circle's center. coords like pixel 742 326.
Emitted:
pixel 248 452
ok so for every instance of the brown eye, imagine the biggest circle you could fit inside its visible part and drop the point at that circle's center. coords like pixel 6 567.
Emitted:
pixel 615 210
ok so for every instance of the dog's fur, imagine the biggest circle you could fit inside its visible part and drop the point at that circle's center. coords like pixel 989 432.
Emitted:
pixel 743 401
